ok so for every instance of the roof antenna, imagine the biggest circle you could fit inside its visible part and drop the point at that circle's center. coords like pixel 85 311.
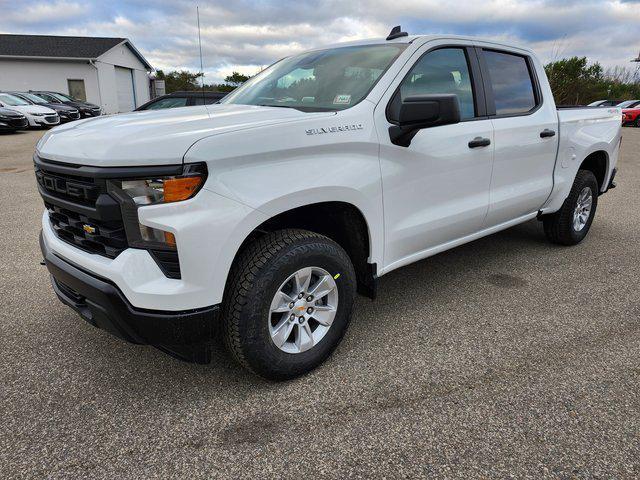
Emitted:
pixel 396 32
pixel 200 46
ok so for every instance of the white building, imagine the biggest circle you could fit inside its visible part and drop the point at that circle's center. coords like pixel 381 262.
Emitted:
pixel 109 72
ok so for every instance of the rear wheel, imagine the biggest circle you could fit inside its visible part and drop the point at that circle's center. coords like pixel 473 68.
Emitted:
pixel 288 303
pixel 637 123
pixel 572 222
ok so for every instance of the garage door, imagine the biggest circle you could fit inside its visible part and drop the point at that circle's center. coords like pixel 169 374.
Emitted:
pixel 124 84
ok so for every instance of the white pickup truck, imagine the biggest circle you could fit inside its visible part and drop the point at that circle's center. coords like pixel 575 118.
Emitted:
pixel 258 219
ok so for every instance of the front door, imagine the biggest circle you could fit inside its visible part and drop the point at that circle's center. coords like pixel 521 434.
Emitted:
pixel 436 190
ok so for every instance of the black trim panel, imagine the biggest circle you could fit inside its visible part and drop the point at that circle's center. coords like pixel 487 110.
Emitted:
pixel 103 305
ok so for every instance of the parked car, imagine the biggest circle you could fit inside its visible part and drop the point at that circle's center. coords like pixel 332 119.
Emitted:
pixel 37 116
pixel 631 116
pixel 10 120
pixel 65 112
pixel 261 217
pixel 604 103
pixel 182 99
pixel 629 104
pixel 86 109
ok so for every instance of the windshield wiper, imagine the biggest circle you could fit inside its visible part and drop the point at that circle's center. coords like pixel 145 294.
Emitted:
pixel 276 106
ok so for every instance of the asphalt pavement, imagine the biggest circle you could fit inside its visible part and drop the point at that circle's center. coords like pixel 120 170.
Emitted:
pixel 506 357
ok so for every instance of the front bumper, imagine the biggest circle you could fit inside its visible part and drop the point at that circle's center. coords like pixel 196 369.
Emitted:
pixel 48 121
pixel 185 334
pixel 14 124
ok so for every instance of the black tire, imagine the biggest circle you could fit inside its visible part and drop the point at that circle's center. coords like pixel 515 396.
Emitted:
pixel 637 124
pixel 558 227
pixel 262 267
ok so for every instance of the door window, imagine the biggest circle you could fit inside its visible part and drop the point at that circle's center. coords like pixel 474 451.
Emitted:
pixel 76 89
pixel 510 78
pixel 442 71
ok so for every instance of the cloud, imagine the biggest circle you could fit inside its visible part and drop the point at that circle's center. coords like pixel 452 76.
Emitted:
pixel 41 13
pixel 245 35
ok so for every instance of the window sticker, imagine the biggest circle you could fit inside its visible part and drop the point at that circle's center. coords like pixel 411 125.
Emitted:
pixel 342 100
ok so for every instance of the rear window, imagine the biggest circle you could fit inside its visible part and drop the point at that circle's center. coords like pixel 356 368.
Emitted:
pixel 170 102
pixel 513 89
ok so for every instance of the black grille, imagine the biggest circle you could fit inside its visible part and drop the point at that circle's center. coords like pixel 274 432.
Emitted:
pixel 80 210
pixel 104 238
pixel 51 118
pixel 17 122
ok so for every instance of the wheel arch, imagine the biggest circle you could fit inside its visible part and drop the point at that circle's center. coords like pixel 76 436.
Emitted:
pixel 341 221
pixel 597 162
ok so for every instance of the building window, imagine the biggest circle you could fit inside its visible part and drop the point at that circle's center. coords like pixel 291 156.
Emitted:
pixel 77 90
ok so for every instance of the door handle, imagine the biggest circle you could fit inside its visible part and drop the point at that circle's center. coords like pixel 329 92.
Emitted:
pixel 546 133
pixel 479 142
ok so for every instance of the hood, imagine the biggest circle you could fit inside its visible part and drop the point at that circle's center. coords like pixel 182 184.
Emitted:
pixel 7 112
pixel 154 137
pixel 80 104
pixel 33 109
pixel 59 107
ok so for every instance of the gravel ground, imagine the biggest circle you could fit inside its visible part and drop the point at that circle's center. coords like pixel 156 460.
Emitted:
pixel 507 357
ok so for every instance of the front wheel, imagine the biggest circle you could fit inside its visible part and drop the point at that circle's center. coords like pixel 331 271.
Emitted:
pixel 570 225
pixel 288 303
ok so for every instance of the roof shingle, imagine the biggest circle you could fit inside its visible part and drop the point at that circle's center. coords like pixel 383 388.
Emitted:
pixel 53 46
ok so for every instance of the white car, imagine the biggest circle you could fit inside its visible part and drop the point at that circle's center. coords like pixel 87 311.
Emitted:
pixel 37 115
pixel 260 217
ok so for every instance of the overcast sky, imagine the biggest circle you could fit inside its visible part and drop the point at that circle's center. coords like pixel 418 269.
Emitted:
pixel 247 34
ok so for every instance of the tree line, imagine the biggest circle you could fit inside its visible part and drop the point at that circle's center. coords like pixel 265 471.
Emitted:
pixel 576 82
pixel 573 81
pixel 184 80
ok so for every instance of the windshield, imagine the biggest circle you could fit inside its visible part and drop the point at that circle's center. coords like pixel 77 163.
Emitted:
pixel 48 98
pixel 626 104
pixel 12 101
pixel 596 104
pixel 325 80
pixel 63 98
pixel 33 98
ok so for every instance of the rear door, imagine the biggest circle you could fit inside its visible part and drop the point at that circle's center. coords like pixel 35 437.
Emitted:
pixel 525 124
pixel 436 190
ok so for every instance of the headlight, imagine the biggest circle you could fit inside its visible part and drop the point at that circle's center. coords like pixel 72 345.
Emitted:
pixel 135 193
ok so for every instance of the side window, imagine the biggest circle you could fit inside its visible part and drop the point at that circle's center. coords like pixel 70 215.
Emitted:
pixel 442 71
pixel 513 89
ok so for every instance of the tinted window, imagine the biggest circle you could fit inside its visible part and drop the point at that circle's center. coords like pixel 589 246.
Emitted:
pixel 207 100
pixel 170 102
pixel 512 86
pixel 442 71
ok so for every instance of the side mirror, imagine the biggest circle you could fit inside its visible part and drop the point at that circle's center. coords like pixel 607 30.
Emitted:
pixel 422 111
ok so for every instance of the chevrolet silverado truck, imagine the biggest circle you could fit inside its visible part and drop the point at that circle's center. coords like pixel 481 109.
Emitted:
pixel 259 219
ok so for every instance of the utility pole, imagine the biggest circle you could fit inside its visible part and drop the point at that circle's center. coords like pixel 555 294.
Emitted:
pixel 200 47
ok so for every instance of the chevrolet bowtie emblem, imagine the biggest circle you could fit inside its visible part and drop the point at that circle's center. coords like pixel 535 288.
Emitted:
pixel 89 229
